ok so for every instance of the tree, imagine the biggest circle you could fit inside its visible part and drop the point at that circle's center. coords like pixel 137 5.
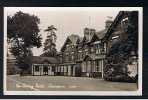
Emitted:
pixel 49 44
pixel 23 32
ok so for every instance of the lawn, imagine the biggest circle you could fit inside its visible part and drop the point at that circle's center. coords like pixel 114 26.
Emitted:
pixel 64 83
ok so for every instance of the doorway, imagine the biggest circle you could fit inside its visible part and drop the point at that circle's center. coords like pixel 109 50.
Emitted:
pixel 78 71
pixel 45 70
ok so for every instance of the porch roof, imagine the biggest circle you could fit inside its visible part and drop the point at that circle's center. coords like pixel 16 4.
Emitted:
pixel 43 60
pixel 93 57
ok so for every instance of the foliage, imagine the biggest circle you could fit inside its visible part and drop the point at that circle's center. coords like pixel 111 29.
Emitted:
pixel 119 53
pixel 22 33
pixel 49 44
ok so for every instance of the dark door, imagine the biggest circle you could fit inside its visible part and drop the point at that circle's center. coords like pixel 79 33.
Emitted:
pixel 45 70
pixel 77 71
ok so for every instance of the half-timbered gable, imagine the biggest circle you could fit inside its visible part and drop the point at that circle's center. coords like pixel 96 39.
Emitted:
pixel 69 48
pixel 69 56
pixel 116 31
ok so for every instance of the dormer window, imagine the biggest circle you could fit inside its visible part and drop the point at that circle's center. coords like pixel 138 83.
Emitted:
pixel 124 23
pixel 115 37
pixel 125 19
pixel 67 45
pixel 80 51
pixel 86 50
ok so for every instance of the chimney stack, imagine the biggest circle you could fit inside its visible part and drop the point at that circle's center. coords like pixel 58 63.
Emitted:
pixel 88 32
pixel 108 22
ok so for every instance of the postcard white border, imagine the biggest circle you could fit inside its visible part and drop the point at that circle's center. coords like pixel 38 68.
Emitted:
pixel 88 93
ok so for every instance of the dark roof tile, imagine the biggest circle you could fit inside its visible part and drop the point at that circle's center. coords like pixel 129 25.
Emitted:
pixel 42 60
pixel 101 33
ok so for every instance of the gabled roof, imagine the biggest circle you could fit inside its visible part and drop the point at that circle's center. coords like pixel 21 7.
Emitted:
pixel 114 24
pixel 42 60
pixel 94 38
pixel 72 38
pixel 87 57
pixel 80 40
pixel 93 57
pixel 85 39
pixel 99 35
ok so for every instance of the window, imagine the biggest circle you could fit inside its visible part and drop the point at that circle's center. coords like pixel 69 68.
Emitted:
pixel 53 68
pixel 80 54
pixel 72 52
pixel 67 45
pixel 94 66
pixel 56 69
pixel 97 47
pixel 104 47
pixel 115 37
pixel 72 46
pixel 36 68
pixel 69 57
pixel 97 68
pixel 65 68
pixel 45 69
pixel 86 51
pixel 97 51
pixel 59 69
pixel 88 66
pixel 92 49
pixel 98 65
pixel 125 24
pixel 84 67
pixel 66 57
pixel 72 57
pixel 62 68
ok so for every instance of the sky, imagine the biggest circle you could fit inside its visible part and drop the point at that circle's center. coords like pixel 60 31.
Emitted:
pixel 67 20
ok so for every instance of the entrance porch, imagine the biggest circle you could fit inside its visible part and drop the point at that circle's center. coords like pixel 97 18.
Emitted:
pixel 92 67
